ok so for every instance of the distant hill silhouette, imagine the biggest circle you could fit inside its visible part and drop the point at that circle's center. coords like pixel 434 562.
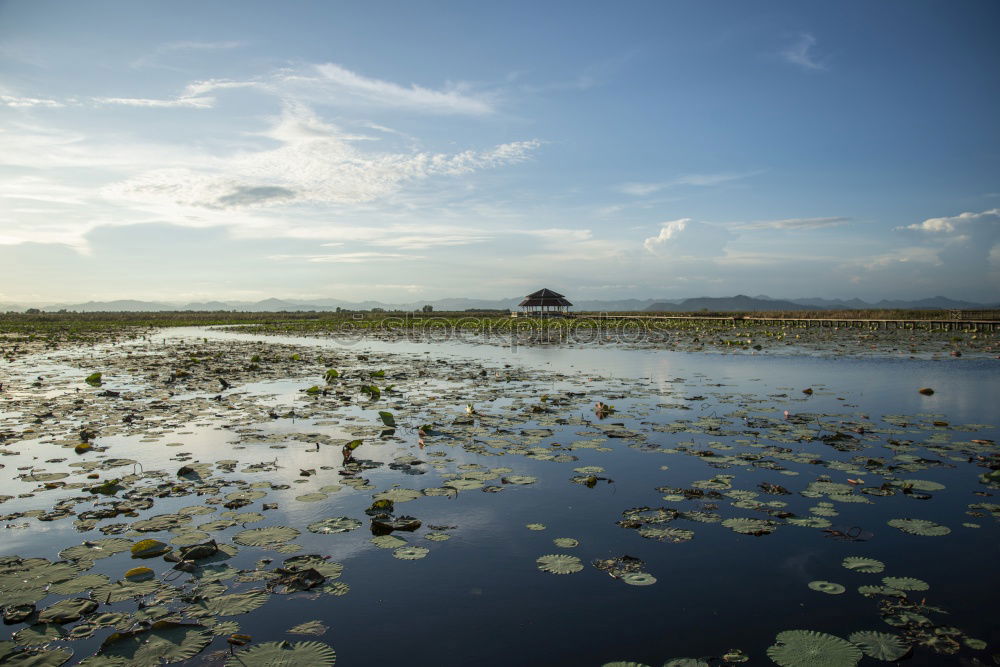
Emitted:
pixel 740 302
pixel 728 304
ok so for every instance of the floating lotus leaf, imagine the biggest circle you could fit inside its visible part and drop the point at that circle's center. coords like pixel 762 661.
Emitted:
pixel 872 591
pixel 398 495
pixel 139 574
pixel 437 537
pixel 589 470
pixel 808 648
pixel 195 509
pixel 387 542
pixel 190 538
pixel 880 645
pixel 922 485
pixel 38 634
pixel 565 542
pixel 314 628
pixel 975 644
pixel 165 641
pixel 84 582
pixel 337 588
pixel 311 497
pixel 559 564
pixel 150 549
pixel 97 549
pixel 102 661
pixel 519 479
pixel 314 654
pixel 863 564
pixel 265 537
pixel 236 603
pixel 906 583
pixel 919 527
pixel 438 491
pixel 215 572
pixel 638 578
pixel 160 522
pixel 337 524
pixel 328 568
pixel 465 484
pixel 685 662
pixel 905 618
pixel 808 522
pixel 250 494
pixel 675 535
pixel 410 553
pixel 827 587
pixel 67 611
pixel 39 658
pixel 750 526
pixel 117 591
pixel 535 526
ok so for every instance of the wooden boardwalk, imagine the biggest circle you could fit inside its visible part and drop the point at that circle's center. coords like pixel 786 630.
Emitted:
pixel 833 323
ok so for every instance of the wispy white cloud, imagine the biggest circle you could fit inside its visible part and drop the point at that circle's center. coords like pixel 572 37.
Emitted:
pixel 175 103
pixel 802 53
pixel 345 257
pixel 383 93
pixel 153 58
pixel 793 223
pixel 696 180
pixel 24 102
pixel 316 163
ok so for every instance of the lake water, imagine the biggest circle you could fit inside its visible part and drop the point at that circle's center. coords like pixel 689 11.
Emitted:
pixel 682 422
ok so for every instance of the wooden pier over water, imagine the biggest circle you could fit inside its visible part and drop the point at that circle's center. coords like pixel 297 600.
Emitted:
pixel 957 324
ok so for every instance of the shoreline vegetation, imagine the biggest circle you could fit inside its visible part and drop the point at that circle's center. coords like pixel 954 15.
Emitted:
pixel 917 333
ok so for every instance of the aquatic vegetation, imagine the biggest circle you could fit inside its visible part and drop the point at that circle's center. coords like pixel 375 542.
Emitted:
pixel 211 489
pixel 808 648
pixel 559 564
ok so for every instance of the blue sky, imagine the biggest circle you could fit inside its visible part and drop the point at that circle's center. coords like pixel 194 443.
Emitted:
pixel 405 151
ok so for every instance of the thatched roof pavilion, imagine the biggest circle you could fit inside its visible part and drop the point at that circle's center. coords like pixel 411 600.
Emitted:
pixel 544 302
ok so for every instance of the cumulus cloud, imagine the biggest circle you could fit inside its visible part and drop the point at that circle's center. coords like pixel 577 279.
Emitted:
pixel 953 223
pixel 685 238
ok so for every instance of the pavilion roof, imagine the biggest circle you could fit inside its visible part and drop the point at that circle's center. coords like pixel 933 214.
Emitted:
pixel 545 297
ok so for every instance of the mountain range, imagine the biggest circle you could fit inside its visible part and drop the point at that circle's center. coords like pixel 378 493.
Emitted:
pixel 718 304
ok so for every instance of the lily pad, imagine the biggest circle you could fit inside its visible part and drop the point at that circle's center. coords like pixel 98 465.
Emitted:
pixel 314 654
pixel 808 648
pixel 337 524
pixel 165 641
pixel 559 563
pixel 880 645
pixel 235 603
pixel 919 527
pixel 906 583
pixel 410 553
pixel 314 628
pixel 266 537
pixel 863 564
pixel 827 587
pixel 638 579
